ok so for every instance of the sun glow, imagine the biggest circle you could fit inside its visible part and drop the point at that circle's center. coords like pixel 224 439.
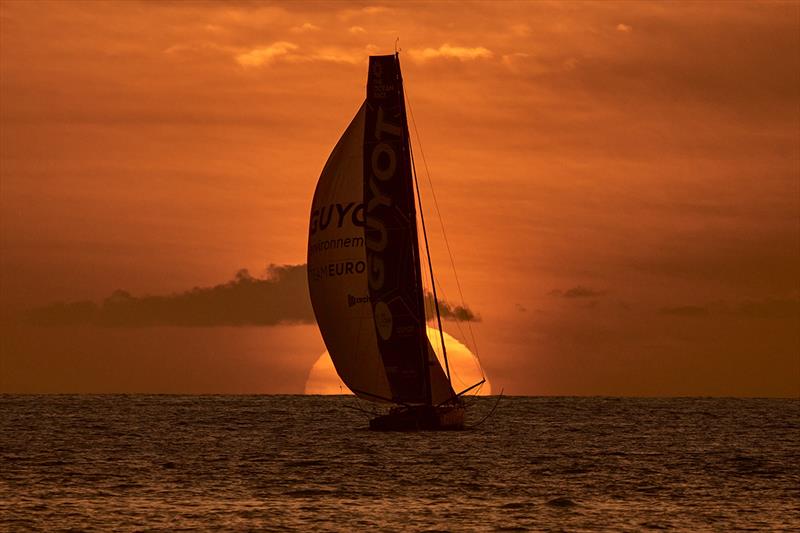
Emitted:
pixel 465 369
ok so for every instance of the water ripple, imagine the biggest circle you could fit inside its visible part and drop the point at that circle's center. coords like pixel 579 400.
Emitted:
pixel 272 463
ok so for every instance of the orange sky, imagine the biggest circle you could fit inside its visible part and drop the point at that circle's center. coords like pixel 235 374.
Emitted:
pixel 620 183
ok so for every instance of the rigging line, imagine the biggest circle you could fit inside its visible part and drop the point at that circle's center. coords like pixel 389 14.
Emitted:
pixel 425 284
pixel 429 303
pixel 454 374
pixel 461 331
pixel 390 400
pixel 438 212
pixel 476 360
pixel 478 384
pixel 430 265
pixel 472 398
pixel 500 397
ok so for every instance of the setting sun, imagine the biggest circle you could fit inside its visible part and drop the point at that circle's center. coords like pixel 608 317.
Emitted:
pixel 465 369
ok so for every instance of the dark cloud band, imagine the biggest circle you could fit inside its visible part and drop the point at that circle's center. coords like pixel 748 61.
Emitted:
pixel 279 298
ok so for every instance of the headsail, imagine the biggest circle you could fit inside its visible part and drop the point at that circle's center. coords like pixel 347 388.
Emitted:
pixel 337 267
pixel 363 255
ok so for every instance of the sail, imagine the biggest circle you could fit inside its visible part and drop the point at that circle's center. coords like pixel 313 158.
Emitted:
pixel 337 278
pixel 363 255
pixel 393 264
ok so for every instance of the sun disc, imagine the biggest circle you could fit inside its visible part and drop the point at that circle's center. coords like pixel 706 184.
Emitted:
pixel 465 369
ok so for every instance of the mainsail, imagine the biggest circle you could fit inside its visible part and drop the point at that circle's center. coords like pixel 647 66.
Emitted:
pixel 363 255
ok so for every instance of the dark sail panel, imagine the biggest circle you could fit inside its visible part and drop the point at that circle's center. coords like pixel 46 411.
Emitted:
pixel 391 236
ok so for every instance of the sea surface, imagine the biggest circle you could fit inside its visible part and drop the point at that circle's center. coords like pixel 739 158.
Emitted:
pixel 276 463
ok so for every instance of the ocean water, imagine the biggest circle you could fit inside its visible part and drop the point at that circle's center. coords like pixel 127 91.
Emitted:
pixel 275 463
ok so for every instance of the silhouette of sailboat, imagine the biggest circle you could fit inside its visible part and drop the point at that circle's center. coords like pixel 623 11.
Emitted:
pixel 365 269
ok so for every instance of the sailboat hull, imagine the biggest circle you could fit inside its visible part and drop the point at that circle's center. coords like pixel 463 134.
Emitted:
pixel 421 418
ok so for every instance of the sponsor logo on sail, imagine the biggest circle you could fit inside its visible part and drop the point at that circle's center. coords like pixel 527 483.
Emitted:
pixel 383 167
pixel 355 300
pixel 340 268
pixel 336 214
pixel 335 244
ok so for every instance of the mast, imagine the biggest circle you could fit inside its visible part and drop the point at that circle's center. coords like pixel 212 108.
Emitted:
pixel 425 360
pixel 393 267
pixel 424 235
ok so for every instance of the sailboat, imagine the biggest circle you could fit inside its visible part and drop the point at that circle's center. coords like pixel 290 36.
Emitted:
pixel 365 269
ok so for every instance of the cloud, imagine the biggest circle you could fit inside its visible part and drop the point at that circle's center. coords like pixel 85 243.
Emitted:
pixel 578 291
pixel 265 55
pixel 452 312
pixel 446 51
pixel 624 28
pixel 338 55
pixel 281 297
pixel 290 52
pixel 305 27
pixel 511 60
pixel 356 29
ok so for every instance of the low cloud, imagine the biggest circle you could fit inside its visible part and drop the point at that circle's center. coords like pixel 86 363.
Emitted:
pixel 266 54
pixel 281 297
pixel 305 27
pixel 447 51
pixel 623 28
pixel 511 60
pixel 578 291
pixel 338 55
pixel 284 51
pixel 452 312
